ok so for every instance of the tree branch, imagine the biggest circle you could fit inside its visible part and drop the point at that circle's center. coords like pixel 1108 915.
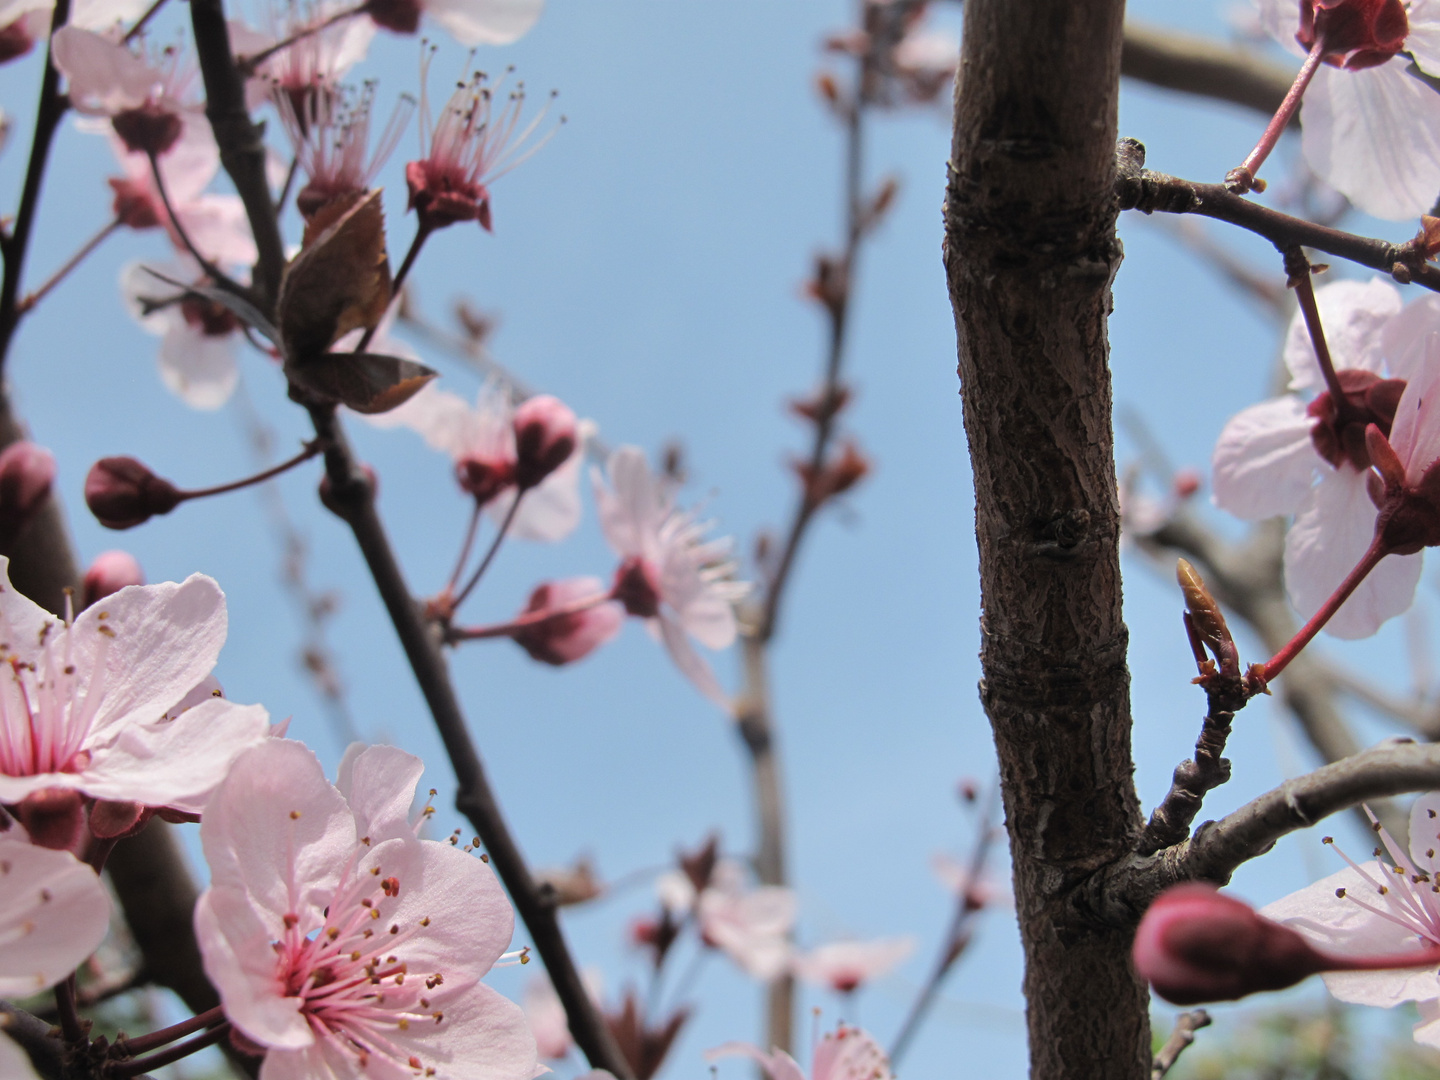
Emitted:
pixel 1219 848
pixel 1149 192
pixel 1194 778
pixel 1186 1024
pixel 1202 66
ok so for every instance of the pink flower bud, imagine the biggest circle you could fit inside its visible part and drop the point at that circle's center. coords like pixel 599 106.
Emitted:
pixel 637 586
pixel 54 818
pixel 568 637
pixel 545 437
pixel 1186 483
pixel 397 16
pixel 1196 945
pixel 122 493
pixel 484 478
pixel 109 573
pixel 16 39
pixel 26 473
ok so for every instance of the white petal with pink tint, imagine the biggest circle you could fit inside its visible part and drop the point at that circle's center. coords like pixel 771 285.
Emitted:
pixel 1415 435
pixel 1423 40
pixel 53 914
pixel 1354 314
pixel 778 1065
pixel 1374 135
pixel 1404 338
pixel 379 784
pixel 14 1062
pixel 104 78
pixel 485 22
pixel 198 368
pixel 845 965
pixel 550 511
pixel 1264 462
pixel 1327 541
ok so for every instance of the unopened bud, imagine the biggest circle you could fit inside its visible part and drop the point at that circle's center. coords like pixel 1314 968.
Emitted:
pixel 54 818
pixel 122 493
pixel 484 478
pixel 109 573
pixel 26 473
pixel 545 437
pixel 828 88
pixel 568 636
pixel 1196 945
pixel 1185 483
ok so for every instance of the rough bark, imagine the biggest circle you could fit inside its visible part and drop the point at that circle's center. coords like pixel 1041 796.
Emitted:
pixel 1030 254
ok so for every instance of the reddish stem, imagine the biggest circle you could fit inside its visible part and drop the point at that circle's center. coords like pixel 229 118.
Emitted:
pixel 493 550
pixel 1305 296
pixel 422 232
pixel 174 1053
pixel 1368 562
pixel 142 1043
pixel 312 449
pixel 1281 120
pixel 527 620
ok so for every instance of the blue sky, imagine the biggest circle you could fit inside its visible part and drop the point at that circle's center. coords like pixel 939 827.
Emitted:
pixel 646 266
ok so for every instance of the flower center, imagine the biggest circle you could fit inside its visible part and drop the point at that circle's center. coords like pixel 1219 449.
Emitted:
pixel 356 989
pixel 44 719
pixel 1354 33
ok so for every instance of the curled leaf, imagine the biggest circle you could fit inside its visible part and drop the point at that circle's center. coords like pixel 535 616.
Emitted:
pixel 366 382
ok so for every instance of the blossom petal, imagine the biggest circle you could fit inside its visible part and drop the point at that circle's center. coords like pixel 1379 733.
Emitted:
pixel 1405 336
pixel 1354 314
pixel 777 1066
pixel 1264 462
pixel 178 762
pixel 104 78
pixel 197 367
pixel 157 642
pixel 1423 40
pixel 691 664
pixel 632 507
pixel 1327 541
pixel 1374 135
pixel 1427 1031
pixel 24 624
pixel 485 22
pixel 277 832
pixel 1341 926
pixel 550 511
pixel 53 914
pixel 14 1062
pixel 379 784
pixel 483 1037
pixel 1415 434
pixel 235 946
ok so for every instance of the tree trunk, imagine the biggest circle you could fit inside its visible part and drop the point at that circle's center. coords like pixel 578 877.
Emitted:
pixel 1030 254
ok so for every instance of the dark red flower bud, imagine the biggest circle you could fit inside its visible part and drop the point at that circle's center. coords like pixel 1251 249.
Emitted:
pixel 483 478
pixel 545 437
pixel 442 197
pixel 122 493
pixel 637 586
pixel 148 129
pixel 133 206
pixel 26 473
pixel 54 818
pixel 109 573
pixel 398 16
pixel 16 39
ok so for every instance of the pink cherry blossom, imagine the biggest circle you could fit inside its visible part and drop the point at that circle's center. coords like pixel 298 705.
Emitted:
pixel 313 62
pixel 1373 908
pixel 1285 456
pixel 215 224
pixel 476 140
pixel 846 965
pixel 958 878
pixel 24 22
pixel 82 706
pixel 146 98
pixel 847 1053
pixel 53 914
pixel 198 338
pixel 481 440
pixel 470 22
pixel 750 925
pixel 339 942
pixel 671 576
pixel 1372 132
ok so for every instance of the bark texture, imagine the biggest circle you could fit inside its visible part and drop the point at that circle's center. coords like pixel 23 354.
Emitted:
pixel 1030 254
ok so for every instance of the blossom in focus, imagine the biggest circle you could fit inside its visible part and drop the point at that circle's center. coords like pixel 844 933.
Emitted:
pixel 847 1053
pixel 571 636
pixel 339 942
pixel 145 98
pixel 470 22
pixel 1369 127
pixel 481 440
pixel 670 575
pixel 1308 458
pixel 472 145
pixel 198 337
pixel 53 914
pixel 845 965
pixel 83 706
pixel 750 925
pixel 1384 906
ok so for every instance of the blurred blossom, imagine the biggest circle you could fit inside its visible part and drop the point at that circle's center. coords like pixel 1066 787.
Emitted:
pixel 845 965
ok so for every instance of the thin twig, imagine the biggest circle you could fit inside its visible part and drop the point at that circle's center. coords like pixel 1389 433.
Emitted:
pixel 1151 192
pixel 14 245
pixel 144 21
pixel 1193 779
pixel 212 271
pixel 31 299
pixel 1186 1024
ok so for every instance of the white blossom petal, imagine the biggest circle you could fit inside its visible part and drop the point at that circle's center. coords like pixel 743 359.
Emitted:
pixel 1354 314
pixel 485 22
pixel 53 914
pixel 1265 461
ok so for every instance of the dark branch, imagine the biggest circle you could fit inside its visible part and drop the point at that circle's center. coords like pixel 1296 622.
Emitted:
pixel 1203 67
pixel 1120 893
pixel 1194 777
pixel 1149 192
